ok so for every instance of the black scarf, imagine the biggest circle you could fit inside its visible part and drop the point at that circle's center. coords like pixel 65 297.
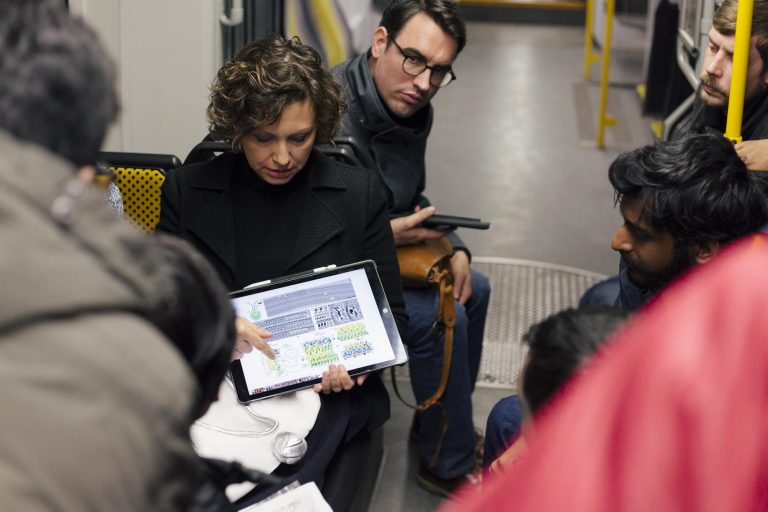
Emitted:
pixel 754 125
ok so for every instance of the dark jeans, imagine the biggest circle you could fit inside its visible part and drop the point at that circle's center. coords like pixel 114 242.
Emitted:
pixel 425 362
pixel 504 424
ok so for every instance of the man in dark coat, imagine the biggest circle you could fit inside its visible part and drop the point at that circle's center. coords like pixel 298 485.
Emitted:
pixel 390 116
pixel 710 106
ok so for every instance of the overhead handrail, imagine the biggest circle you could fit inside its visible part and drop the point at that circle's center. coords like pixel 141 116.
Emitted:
pixel 235 14
pixel 739 70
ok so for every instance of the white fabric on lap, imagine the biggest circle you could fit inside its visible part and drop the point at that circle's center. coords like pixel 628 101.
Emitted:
pixel 229 431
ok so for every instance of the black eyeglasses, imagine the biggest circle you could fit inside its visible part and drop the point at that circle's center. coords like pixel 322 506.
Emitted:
pixel 414 65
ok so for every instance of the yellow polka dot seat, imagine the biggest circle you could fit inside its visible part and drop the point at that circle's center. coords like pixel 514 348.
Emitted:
pixel 139 177
pixel 140 190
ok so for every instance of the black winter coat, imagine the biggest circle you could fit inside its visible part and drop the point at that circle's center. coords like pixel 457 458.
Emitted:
pixel 398 151
pixel 345 220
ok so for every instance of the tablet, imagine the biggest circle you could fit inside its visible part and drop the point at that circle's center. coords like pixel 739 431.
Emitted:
pixel 332 315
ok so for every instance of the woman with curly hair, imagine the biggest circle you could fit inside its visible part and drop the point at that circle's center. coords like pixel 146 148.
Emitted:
pixel 275 205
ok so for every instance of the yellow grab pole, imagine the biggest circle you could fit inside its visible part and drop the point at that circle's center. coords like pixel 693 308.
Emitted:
pixel 590 57
pixel 292 18
pixel 603 119
pixel 739 70
pixel 330 31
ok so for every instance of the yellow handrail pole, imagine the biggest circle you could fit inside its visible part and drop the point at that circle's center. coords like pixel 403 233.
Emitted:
pixel 590 57
pixel 739 70
pixel 330 31
pixel 292 17
pixel 603 119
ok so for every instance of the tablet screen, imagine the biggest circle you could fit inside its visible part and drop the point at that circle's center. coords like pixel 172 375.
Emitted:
pixel 339 316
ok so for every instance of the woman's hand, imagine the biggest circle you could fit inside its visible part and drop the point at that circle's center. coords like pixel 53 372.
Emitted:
pixel 250 336
pixel 336 379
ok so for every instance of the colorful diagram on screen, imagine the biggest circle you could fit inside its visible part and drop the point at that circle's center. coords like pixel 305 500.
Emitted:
pixel 351 331
pixel 257 311
pixel 319 352
pixel 356 349
pixel 273 366
pixel 312 328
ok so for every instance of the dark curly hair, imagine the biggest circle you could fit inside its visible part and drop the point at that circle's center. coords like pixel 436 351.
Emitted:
pixel 252 89
pixel 695 188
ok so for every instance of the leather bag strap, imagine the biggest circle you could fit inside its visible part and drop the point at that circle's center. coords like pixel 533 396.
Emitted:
pixel 446 318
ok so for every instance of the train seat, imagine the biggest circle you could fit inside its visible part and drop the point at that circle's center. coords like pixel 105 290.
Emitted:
pixel 139 177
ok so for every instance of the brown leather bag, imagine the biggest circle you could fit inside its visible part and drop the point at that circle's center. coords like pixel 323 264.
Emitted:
pixel 423 265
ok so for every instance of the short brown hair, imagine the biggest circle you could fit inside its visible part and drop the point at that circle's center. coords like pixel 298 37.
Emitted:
pixel 251 90
pixel 724 21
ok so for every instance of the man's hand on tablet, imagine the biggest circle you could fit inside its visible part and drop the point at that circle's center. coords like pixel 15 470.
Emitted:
pixel 250 336
pixel 336 379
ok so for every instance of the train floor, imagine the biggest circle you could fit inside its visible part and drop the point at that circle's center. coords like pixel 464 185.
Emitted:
pixel 513 143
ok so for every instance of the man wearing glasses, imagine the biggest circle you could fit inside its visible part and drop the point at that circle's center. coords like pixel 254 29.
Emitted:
pixel 389 91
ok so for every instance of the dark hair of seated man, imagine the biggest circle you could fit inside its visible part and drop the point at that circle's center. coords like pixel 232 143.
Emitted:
pixel 193 311
pixel 696 188
pixel 559 345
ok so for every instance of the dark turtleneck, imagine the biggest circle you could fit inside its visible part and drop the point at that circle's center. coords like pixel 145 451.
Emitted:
pixel 265 217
